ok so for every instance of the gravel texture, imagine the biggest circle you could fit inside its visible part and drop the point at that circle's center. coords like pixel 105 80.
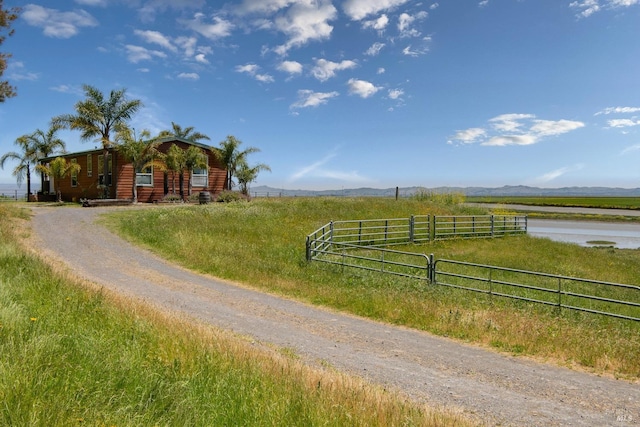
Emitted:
pixel 495 388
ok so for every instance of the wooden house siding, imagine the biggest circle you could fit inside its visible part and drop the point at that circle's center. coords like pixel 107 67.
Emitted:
pixel 123 177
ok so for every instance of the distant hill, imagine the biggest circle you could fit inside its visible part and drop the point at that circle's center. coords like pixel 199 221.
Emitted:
pixel 507 190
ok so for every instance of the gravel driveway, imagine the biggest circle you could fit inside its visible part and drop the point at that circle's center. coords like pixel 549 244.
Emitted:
pixel 498 389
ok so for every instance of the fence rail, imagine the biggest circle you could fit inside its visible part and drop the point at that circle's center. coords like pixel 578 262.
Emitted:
pixel 565 292
pixel 478 226
pixel 363 244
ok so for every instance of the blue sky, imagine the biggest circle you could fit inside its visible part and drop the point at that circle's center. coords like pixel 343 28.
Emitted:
pixel 354 93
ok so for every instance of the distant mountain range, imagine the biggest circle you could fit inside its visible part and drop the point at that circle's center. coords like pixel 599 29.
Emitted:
pixel 507 190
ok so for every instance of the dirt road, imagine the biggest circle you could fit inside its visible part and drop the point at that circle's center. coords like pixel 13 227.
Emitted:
pixel 498 389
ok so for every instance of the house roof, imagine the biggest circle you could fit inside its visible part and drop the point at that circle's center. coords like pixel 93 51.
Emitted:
pixel 115 147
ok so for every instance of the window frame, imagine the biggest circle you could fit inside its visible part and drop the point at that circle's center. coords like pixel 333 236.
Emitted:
pixel 101 172
pixel 89 165
pixel 140 173
pixel 74 174
pixel 203 175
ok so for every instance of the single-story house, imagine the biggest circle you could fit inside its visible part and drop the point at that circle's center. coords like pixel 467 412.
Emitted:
pixel 153 183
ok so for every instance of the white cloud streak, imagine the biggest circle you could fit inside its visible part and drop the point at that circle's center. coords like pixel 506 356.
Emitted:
pixel 324 70
pixel 62 25
pixel 360 9
pixel 515 129
pixel 309 98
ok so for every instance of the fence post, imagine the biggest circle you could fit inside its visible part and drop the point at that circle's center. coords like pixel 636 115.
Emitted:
pixel 308 246
pixel 559 295
pixel 432 270
pixel 412 223
pixel 492 226
pixel 331 232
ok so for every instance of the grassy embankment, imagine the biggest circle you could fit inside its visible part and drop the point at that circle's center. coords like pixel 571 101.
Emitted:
pixel 261 243
pixel 71 354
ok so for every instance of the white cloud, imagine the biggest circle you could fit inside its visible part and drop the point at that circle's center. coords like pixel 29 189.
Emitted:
pixel 16 71
pixel 217 29
pixel 201 58
pixel 54 23
pixel 150 8
pixel 381 70
pixel 92 2
pixel 189 76
pixel 421 49
pixel 586 8
pixel 551 128
pixel 468 136
pixel 434 6
pixel 324 70
pixel 395 93
pixel 316 170
pixel 503 140
pixel 309 98
pixel 405 22
pixel 550 176
pixel 630 149
pixel 374 49
pixel 262 6
pixel 252 70
pixel 623 123
pixel 304 22
pixel 509 122
pixel 362 88
pixel 619 110
pixel 483 3
pixel 156 37
pixel 378 24
pixel 515 129
pixel 291 67
pixel 136 54
pixel 360 9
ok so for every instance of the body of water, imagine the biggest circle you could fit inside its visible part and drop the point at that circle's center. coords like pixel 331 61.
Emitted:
pixel 620 235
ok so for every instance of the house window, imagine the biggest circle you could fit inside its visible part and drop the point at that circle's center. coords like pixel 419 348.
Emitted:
pixel 74 174
pixel 144 177
pixel 101 170
pixel 89 165
pixel 200 177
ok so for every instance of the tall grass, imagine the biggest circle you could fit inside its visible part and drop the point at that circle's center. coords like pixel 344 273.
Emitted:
pixel 262 244
pixel 71 354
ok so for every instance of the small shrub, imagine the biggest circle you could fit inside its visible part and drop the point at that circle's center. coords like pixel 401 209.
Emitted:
pixel 229 196
pixel 446 199
pixel 173 198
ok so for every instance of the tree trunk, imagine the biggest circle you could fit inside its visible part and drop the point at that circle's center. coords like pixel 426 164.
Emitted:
pixel 28 184
pixel 181 180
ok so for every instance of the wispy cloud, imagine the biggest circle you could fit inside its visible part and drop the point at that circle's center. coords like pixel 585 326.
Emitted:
pixel 630 149
pixel 618 110
pixel 360 9
pixel 55 23
pixel 316 170
pixel 586 8
pixel 324 70
pixel 555 174
pixel 136 54
pixel 252 70
pixel 214 29
pixel 514 129
pixel 309 98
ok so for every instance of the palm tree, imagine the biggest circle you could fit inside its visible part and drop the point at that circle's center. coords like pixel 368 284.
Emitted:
pixel 175 163
pixel 25 159
pixel 59 168
pixel 231 157
pixel 187 133
pixel 142 153
pixel 97 117
pixel 194 158
pixel 247 174
pixel 47 143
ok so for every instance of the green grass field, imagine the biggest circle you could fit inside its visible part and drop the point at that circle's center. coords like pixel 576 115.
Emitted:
pixel 73 355
pixel 261 243
pixel 584 202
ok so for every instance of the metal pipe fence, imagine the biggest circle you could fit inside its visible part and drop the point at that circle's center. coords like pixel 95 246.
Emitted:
pixel 564 292
pixel 363 244
pixel 446 227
